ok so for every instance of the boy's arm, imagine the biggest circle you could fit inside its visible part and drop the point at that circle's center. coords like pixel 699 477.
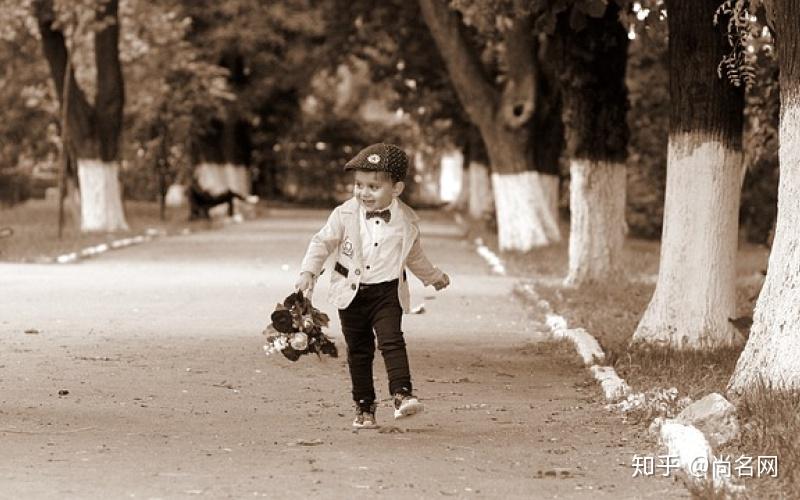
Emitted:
pixel 322 244
pixel 422 268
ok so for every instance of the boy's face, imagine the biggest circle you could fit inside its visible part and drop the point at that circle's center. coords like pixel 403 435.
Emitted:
pixel 375 190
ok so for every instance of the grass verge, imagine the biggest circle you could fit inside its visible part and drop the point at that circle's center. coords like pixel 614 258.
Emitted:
pixel 35 229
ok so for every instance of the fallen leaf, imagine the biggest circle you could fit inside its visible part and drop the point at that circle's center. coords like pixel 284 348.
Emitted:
pixel 306 442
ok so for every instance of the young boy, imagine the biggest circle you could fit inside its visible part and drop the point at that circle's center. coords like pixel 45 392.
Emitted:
pixel 374 236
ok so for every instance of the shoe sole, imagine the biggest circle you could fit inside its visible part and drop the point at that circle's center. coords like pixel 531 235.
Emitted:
pixel 365 426
pixel 410 409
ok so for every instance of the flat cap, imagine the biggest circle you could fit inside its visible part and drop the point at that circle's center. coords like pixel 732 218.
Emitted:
pixel 381 157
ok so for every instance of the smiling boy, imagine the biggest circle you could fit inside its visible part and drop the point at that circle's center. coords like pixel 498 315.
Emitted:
pixel 374 237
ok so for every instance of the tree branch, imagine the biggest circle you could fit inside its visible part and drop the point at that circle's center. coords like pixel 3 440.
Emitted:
pixel 476 93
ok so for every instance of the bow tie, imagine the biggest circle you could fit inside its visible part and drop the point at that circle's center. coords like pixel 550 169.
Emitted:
pixel 386 215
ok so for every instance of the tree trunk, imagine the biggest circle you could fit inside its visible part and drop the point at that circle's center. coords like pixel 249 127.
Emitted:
pixel 101 201
pixel 480 190
pixel 461 203
pixel 94 131
pixel 222 156
pixel 524 220
pixel 595 102
pixel 523 198
pixel 597 215
pixel 695 293
pixel 773 347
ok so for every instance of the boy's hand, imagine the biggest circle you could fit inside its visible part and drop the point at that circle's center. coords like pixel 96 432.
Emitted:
pixel 442 283
pixel 305 282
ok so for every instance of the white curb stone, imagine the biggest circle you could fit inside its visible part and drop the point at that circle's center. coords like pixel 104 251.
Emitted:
pixel 490 257
pixel 87 252
pixel 587 346
pixel 67 257
pixel 694 456
pixel 555 322
pixel 688 445
pixel 613 387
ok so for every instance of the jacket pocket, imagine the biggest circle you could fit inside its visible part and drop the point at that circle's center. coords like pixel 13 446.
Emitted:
pixel 341 269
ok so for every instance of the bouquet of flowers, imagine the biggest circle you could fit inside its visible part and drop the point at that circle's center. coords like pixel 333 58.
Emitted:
pixel 296 329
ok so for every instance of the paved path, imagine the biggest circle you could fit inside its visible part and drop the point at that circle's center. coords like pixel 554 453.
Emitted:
pixel 170 396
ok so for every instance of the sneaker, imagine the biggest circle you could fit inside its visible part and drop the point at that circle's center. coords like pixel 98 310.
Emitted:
pixel 365 417
pixel 406 404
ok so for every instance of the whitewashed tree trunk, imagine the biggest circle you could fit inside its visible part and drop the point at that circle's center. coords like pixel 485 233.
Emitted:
pixel 238 178
pixel 101 198
pixel 772 353
pixel 217 178
pixel 695 294
pixel 451 174
pixel 597 220
pixel 480 190
pixel 525 217
pixel 176 196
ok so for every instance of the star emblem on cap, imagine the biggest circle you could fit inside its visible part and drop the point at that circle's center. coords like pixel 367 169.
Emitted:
pixel 374 159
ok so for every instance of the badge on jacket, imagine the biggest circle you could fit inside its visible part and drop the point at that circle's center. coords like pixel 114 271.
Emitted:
pixel 347 247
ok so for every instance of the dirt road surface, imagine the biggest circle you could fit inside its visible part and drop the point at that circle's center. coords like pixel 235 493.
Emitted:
pixel 140 374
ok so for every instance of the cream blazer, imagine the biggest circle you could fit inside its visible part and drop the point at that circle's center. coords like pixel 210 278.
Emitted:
pixel 341 236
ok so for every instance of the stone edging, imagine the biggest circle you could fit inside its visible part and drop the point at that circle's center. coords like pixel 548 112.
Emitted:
pixel 684 441
pixel 588 348
pixel 490 257
pixel 92 251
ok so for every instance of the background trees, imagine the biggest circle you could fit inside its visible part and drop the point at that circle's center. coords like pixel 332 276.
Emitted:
pixel 291 89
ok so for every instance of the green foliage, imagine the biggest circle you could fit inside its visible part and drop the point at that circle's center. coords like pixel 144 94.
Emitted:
pixel 743 31
pixel 392 41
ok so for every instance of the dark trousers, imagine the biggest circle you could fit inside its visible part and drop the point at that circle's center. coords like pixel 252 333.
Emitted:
pixel 375 312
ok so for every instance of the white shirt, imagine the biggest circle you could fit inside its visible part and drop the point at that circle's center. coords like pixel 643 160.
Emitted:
pixel 382 245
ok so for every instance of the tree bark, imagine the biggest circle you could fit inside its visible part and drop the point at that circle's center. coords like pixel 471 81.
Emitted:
pixel 221 158
pixel 479 198
pixel 504 120
pixel 597 205
pixel 595 106
pixel 523 198
pixel 101 200
pixel 773 346
pixel 695 292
